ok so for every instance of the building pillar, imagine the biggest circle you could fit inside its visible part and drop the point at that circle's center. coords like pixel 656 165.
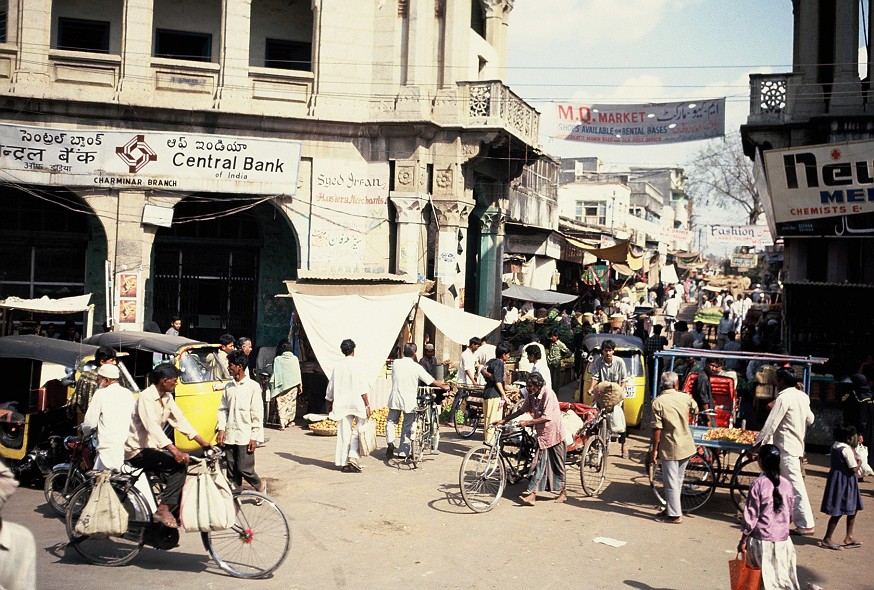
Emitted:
pixel 135 78
pixel 491 259
pixel 846 94
pixel 33 37
pixel 497 12
pixel 411 233
pixel 805 42
pixel 233 84
pixel 450 261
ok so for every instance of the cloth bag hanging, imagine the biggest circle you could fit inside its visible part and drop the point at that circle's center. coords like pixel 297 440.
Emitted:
pixel 104 513
pixel 207 500
pixel 366 437
pixel 742 575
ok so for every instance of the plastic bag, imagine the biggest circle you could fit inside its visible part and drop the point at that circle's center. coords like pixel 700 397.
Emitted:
pixel 207 501
pixel 366 437
pixel 104 513
pixel 742 575
pixel 616 420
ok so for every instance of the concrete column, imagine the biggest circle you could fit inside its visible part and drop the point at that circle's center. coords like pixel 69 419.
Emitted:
pixel 847 88
pixel 233 84
pixel 805 41
pixel 456 42
pixel 450 261
pixel 420 58
pixel 497 12
pixel 135 80
pixel 34 35
pixel 491 257
pixel 411 233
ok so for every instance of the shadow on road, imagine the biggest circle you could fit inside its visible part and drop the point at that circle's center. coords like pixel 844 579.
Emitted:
pixel 308 461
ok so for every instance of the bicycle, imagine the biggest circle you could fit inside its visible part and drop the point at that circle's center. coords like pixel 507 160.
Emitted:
pixel 467 413
pixel 485 470
pixel 426 427
pixel 254 547
pixel 594 458
pixel 66 477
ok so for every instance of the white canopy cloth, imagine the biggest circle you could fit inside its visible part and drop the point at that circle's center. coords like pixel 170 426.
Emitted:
pixel 79 303
pixel 457 325
pixel 537 295
pixel 669 275
pixel 373 322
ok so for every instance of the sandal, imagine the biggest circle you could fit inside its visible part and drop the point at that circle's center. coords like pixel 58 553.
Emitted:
pixel 353 468
pixel 852 545
pixel 832 546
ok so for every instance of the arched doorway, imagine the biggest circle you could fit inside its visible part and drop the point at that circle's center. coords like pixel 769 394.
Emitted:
pixel 219 270
pixel 53 245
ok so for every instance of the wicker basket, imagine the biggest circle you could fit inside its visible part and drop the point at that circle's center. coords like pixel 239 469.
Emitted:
pixel 607 395
pixel 324 431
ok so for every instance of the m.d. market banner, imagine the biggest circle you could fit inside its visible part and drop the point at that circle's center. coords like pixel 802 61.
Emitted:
pixel 822 190
pixel 148 159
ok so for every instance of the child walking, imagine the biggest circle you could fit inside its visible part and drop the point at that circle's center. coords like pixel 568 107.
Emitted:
pixel 841 496
pixel 765 526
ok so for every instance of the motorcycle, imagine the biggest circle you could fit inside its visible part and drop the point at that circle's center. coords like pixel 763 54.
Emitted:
pixel 66 477
pixel 40 460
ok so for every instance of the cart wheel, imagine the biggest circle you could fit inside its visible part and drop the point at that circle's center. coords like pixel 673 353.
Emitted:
pixel 745 472
pixel 465 416
pixel 656 484
pixel 699 484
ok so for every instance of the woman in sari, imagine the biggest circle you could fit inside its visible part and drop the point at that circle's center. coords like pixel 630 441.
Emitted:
pixel 285 385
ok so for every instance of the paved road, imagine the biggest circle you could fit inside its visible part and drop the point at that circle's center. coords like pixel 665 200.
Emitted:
pixel 389 527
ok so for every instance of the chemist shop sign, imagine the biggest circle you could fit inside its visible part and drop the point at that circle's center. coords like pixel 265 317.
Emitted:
pixel 645 124
pixel 137 159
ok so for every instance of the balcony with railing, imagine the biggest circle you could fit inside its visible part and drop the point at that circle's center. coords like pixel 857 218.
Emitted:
pixel 493 104
pixel 772 97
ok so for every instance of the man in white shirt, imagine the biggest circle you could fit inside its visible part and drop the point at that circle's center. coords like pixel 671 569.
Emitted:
pixel 671 309
pixel 485 353
pixel 787 423
pixel 537 363
pixel 405 376
pixel 109 413
pixel 347 399
pixel 240 423
pixel 467 366
pixel 17 545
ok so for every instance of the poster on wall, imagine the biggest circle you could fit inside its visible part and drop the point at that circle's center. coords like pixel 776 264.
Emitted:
pixel 128 297
pixel 349 224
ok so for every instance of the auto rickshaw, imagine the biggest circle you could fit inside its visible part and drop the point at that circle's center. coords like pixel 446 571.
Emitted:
pixel 630 350
pixel 200 386
pixel 38 374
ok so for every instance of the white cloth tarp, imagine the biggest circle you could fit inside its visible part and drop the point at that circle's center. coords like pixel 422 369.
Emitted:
pixel 457 325
pixel 537 272
pixel 537 295
pixel 372 322
pixel 79 303
pixel 669 275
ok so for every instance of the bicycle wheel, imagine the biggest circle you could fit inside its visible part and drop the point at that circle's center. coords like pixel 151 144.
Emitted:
pixel 257 543
pixel 656 484
pixel 108 550
pixel 417 443
pixel 58 488
pixel 698 485
pixel 465 415
pixel 745 472
pixel 482 478
pixel 593 465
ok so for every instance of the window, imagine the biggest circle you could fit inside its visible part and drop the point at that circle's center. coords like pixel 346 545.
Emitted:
pixel 4 14
pixel 83 35
pixel 288 55
pixel 593 212
pixel 183 45
pixel 477 18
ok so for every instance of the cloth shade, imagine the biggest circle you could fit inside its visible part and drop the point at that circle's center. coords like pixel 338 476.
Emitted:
pixel 373 322
pixel 457 325
pixel 669 275
pixel 620 253
pixel 537 295
pixel 62 305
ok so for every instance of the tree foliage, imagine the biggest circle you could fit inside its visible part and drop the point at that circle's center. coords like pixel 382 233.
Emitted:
pixel 721 175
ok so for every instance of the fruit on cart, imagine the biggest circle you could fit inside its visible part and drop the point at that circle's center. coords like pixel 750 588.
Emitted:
pixel 326 424
pixel 733 435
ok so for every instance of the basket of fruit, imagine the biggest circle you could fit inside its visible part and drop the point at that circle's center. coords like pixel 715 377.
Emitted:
pixel 326 427
pixel 380 415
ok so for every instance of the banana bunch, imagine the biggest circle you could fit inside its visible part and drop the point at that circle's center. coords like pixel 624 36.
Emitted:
pixel 733 435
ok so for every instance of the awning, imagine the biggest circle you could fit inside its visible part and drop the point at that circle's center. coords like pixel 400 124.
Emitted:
pixel 537 295
pixel 623 270
pixel 621 253
pixel 669 275
pixel 457 325
pixel 77 304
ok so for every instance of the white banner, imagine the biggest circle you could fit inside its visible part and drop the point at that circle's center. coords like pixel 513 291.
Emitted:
pixel 349 226
pixel 640 124
pixel 148 159
pixel 739 235
pixel 744 261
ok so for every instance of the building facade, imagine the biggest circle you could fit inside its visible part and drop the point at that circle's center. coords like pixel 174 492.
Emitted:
pixel 186 158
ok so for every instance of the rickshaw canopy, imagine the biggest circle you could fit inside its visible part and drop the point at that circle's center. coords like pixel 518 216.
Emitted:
pixel 147 341
pixel 594 341
pixel 40 348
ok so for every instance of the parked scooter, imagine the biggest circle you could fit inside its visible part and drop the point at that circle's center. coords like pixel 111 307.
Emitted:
pixel 66 477
pixel 40 460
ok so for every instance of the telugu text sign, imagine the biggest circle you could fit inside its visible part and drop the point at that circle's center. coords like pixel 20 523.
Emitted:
pixel 640 124
pixel 140 159
pixel 822 189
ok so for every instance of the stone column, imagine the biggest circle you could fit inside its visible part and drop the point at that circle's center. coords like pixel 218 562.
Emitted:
pixel 450 261
pixel 135 79
pixel 805 40
pixel 846 95
pixel 233 84
pixel 497 12
pixel 33 35
pixel 491 262
pixel 411 233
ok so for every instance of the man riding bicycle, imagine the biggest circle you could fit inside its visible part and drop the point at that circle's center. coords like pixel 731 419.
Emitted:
pixel 148 447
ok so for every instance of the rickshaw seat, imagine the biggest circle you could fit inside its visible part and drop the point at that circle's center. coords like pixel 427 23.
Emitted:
pixel 584 411
pixel 724 397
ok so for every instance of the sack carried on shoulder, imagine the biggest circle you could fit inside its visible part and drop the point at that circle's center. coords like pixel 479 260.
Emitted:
pixel 366 437
pixel 743 576
pixel 207 501
pixel 104 513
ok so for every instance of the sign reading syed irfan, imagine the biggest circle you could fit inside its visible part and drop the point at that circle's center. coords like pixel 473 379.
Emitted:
pixel 641 124
pixel 822 189
pixel 148 160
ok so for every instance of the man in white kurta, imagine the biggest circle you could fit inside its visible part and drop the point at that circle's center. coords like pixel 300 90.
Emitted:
pixel 109 413
pixel 787 423
pixel 347 394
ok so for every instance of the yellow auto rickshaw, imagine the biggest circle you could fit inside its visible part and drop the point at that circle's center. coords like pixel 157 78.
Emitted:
pixel 630 350
pixel 200 386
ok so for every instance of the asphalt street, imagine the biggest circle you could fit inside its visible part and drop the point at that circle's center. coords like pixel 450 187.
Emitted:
pixel 392 526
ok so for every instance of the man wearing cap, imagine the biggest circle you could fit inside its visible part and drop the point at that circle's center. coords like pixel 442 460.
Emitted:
pixel 17 545
pixel 109 413
pixel 429 361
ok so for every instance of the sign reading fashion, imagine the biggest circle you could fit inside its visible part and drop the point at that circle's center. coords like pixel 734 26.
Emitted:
pixel 148 159
pixel 822 189
pixel 739 235
pixel 349 228
pixel 640 124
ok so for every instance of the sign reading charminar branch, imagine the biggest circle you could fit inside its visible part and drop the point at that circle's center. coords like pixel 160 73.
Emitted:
pixel 148 160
